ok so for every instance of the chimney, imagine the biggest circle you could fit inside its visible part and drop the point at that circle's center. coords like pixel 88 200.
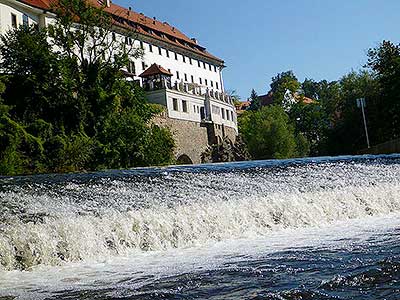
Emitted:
pixel 194 40
pixel 129 11
pixel 154 20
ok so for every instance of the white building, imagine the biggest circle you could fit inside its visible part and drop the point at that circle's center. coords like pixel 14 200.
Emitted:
pixel 193 89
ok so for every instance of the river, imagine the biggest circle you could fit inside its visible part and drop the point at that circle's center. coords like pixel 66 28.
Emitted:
pixel 325 228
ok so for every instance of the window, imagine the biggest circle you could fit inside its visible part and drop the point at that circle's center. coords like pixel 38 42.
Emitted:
pixel 192 78
pixel 176 56
pixel 143 65
pixel 201 81
pixel 223 113
pixel 186 78
pixel 184 58
pixel 177 74
pixel 198 62
pixel 175 104
pixel 14 20
pixel 204 65
pixel 25 20
pixel 114 37
pixel 227 115
pixel 167 52
pixel 131 67
pixel 206 81
pixel 150 48
pixel 190 61
pixel 212 83
pixel 232 116
pixel 209 67
pixel 159 51
pixel 217 85
pixel 194 108
pixel 128 41
pixel 169 70
pixel 141 45
pixel 215 110
pixel 184 106
pixel 215 68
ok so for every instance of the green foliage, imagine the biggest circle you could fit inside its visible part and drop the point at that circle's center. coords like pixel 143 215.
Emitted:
pixel 347 134
pixel 281 83
pixel 384 61
pixel 255 100
pixel 268 133
pixel 311 124
pixel 20 152
pixel 71 109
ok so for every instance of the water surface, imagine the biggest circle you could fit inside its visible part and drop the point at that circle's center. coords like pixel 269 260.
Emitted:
pixel 297 229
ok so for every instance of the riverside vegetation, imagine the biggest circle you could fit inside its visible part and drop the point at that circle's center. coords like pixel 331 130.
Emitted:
pixel 71 109
pixel 332 124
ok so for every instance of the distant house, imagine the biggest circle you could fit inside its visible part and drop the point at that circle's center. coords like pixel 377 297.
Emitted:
pixel 290 98
pixel 242 106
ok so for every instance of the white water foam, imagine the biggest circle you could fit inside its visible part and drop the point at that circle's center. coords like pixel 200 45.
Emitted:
pixel 60 239
pixel 139 268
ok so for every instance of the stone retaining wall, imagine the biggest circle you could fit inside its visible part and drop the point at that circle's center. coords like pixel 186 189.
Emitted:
pixel 192 138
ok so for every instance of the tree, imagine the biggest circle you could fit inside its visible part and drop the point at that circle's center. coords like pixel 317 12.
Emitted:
pixel 255 101
pixel 268 133
pixel 384 62
pixel 72 109
pixel 312 123
pixel 281 83
pixel 347 135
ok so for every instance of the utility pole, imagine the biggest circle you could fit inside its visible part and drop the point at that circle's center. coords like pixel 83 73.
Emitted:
pixel 361 104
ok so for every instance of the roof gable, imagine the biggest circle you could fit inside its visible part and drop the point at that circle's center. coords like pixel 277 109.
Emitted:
pixel 155 70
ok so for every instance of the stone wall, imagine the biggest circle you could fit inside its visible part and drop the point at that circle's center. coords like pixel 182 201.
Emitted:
pixel 192 139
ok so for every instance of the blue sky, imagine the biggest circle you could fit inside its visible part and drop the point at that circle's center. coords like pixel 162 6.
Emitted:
pixel 319 39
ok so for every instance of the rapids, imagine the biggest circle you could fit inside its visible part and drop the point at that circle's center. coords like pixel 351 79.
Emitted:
pixel 58 221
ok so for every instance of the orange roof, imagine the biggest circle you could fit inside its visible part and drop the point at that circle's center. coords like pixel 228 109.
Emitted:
pixel 139 23
pixel 307 100
pixel 155 70
pixel 243 105
pixel 45 4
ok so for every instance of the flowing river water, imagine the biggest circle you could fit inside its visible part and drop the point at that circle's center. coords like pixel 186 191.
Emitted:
pixel 326 228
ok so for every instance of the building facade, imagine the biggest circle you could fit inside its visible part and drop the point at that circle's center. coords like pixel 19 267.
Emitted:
pixel 175 70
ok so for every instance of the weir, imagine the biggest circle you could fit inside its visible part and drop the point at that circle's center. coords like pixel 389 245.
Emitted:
pixel 56 220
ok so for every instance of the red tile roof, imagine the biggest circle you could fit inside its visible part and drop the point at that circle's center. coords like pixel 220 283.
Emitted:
pixel 243 105
pixel 155 70
pixel 141 24
pixel 45 4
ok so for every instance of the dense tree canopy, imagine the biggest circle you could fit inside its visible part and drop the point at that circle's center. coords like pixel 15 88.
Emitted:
pixel 72 109
pixel 332 124
pixel 269 133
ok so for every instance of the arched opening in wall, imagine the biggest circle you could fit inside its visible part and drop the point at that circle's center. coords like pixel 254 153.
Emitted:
pixel 184 160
